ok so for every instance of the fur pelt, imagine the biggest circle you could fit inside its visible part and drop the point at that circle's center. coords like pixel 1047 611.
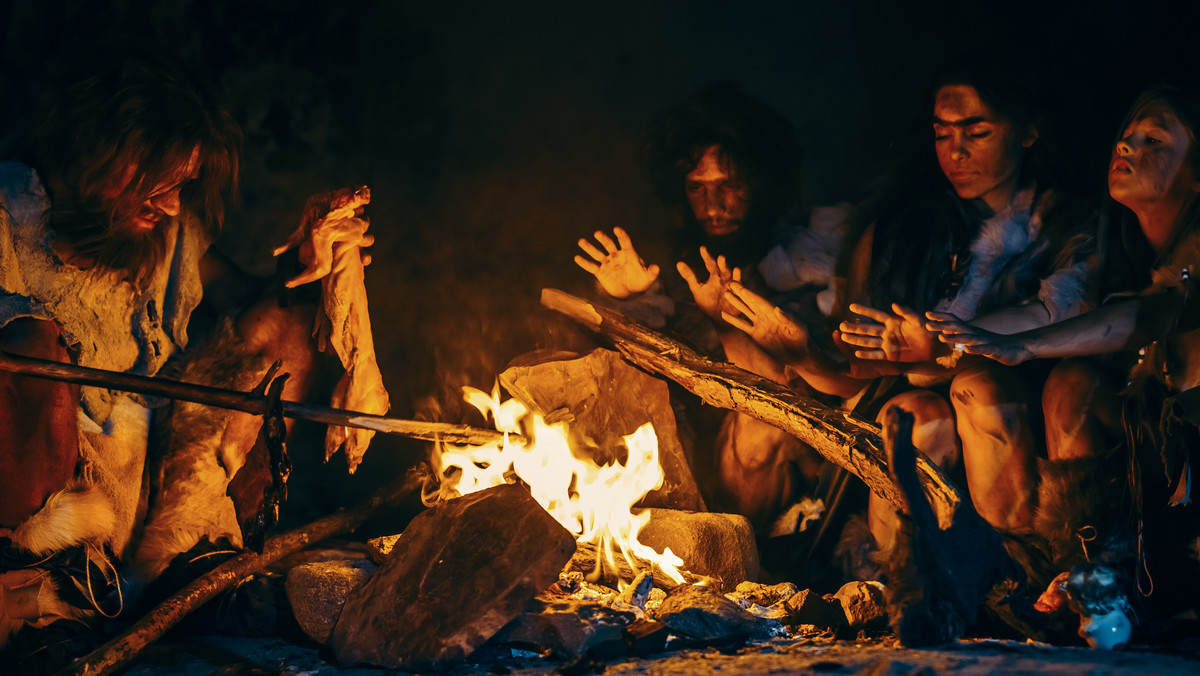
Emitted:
pixel 857 553
pixel 1081 513
pixel 74 515
pixel 193 473
pixel 1001 238
pixel 809 257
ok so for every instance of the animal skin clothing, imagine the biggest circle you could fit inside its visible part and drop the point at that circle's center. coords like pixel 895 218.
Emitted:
pixel 107 323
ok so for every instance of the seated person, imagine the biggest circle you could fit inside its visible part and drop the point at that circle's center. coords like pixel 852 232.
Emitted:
pixel 728 166
pixel 981 231
pixel 104 260
pixel 1152 244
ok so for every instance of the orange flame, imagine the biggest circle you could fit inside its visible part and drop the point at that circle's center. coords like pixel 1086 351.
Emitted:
pixel 592 501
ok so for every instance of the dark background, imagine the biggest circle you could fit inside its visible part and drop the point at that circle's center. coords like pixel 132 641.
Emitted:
pixel 495 134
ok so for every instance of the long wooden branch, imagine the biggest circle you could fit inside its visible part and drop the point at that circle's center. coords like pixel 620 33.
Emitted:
pixel 119 651
pixel 247 402
pixel 837 436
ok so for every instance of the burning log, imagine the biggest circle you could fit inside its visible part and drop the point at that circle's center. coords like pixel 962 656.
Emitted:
pixel 850 443
pixel 595 566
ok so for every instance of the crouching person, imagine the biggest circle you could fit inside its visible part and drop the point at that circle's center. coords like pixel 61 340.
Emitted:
pixel 105 260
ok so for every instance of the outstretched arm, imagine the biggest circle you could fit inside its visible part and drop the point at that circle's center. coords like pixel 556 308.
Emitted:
pixel 1109 329
pixel 789 343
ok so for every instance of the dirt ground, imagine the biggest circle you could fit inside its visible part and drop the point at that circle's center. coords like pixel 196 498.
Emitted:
pixel 787 655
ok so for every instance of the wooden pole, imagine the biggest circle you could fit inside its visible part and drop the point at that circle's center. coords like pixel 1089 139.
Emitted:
pixel 247 402
pixel 833 433
pixel 119 651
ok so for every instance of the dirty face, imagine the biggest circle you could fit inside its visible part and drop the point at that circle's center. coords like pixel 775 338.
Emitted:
pixel 717 193
pixel 1150 163
pixel 162 201
pixel 978 152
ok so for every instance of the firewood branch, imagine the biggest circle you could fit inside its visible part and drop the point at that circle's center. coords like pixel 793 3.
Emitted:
pixel 841 439
pixel 113 655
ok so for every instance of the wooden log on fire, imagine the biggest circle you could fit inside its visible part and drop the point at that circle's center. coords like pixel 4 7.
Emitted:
pixel 596 568
pixel 841 439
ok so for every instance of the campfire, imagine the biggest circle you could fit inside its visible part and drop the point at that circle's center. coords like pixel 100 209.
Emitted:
pixel 594 502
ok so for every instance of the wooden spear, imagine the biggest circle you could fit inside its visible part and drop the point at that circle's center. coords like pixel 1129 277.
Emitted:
pixel 248 402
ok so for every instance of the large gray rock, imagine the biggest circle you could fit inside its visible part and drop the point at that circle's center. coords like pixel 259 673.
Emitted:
pixel 720 546
pixel 608 399
pixel 461 571
pixel 317 591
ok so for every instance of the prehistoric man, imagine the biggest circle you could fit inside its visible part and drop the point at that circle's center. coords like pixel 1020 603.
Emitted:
pixel 104 260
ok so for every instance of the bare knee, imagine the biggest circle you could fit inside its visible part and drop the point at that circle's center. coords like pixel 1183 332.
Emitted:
pixel 1072 388
pixel 933 424
pixel 986 386
pixel 1080 407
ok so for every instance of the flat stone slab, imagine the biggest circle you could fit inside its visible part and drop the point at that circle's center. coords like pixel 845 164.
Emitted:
pixel 462 570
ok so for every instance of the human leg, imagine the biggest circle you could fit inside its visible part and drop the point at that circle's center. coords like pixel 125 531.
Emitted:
pixel 999 452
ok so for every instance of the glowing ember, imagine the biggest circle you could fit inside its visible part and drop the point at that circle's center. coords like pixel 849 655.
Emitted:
pixel 594 502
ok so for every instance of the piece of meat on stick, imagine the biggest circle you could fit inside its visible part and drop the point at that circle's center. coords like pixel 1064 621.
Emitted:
pixel 330 235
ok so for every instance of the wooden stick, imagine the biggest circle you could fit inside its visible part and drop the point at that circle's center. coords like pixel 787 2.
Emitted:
pixel 119 651
pixel 247 402
pixel 837 436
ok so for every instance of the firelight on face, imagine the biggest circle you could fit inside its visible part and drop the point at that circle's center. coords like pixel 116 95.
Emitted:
pixel 979 153
pixel 1150 162
pixel 164 200
pixel 716 193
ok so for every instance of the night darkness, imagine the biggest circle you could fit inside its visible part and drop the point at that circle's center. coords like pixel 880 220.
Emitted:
pixel 495 134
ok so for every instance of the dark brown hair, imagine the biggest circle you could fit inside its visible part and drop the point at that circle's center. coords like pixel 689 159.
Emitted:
pixel 122 112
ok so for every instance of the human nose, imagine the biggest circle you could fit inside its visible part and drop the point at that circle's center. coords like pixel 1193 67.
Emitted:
pixel 712 201
pixel 167 202
pixel 1124 145
pixel 958 148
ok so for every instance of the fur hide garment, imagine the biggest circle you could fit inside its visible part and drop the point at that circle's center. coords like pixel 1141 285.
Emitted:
pixel 1004 258
pixel 190 481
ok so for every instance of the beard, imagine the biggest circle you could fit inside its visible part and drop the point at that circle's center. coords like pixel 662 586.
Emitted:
pixel 112 245
pixel 743 248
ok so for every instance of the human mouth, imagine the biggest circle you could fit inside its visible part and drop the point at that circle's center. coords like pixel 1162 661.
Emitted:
pixel 720 227
pixel 145 223
pixel 960 176
pixel 1121 166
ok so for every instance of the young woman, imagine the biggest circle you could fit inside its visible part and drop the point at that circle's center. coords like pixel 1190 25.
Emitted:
pixel 1152 247
pixel 979 233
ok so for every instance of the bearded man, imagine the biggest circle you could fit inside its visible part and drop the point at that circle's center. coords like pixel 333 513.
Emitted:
pixel 104 259
pixel 728 167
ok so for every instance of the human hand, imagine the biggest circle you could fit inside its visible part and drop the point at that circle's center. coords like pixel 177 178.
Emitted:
pixel 964 337
pixel 330 222
pixel 620 271
pixel 768 325
pixel 710 295
pixel 898 336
